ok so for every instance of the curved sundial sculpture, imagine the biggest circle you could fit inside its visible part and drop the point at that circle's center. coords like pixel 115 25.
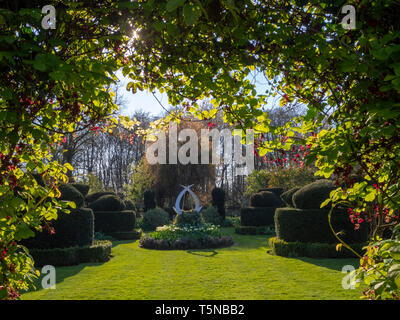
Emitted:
pixel 177 207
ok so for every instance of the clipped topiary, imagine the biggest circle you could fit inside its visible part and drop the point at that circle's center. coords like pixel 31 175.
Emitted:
pixel 313 195
pixel 149 200
pixel 313 249
pixel 108 203
pixel 70 193
pixel 91 197
pixel 265 199
pixel 218 201
pixel 312 225
pixel 114 221
pixel 70 230
pixel 82 188
pixel 211 215
pixel 192 218
pixel 154 218
pixel 257 216
pixel 277 191
pixel 287 196
pixel 99 251
pixel 129 205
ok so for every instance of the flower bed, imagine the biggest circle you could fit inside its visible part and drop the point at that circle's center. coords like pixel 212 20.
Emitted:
pixel 172 237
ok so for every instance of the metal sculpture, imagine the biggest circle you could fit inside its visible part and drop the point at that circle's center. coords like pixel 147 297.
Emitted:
pixel 177 207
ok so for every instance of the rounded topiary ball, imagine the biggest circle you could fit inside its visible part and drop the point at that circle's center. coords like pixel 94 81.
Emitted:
pixel 265 199
pixel 277 191
pixel 108 203
pixel 154 218
pixel 211 215
pixel 70 193
pixel 313 195
pixel 82 188
pixel 91 197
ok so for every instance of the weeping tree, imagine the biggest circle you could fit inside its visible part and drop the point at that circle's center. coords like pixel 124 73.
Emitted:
pixel 168 177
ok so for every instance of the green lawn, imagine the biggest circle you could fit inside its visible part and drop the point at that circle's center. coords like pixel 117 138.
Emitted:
pixel 244 271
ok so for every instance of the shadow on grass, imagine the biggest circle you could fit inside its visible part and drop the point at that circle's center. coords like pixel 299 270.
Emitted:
pixel 332 263
pixel 208 253
pixel 64 272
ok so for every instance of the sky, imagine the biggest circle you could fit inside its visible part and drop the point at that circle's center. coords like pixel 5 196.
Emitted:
pixel 144 100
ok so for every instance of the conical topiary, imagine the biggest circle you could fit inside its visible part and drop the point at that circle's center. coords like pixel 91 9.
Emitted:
pixel 149 200
pixel 218 201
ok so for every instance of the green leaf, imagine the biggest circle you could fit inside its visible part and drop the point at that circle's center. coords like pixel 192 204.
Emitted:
pixel 68 166
pixel 39 65
pixel 189 13
pixel 72 204
pixel 57 75
pixel 23 232
pixel 347 66
pixel 370 197
pixel 174 4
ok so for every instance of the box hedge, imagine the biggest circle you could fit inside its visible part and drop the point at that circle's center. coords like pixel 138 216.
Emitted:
pixel 313 195
pixel 251 216
pixel 108 203
pixel 73 229
pixel 311 225
pixel 54 256
pixel 99 251
pixel 114 221
pixel 312 250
